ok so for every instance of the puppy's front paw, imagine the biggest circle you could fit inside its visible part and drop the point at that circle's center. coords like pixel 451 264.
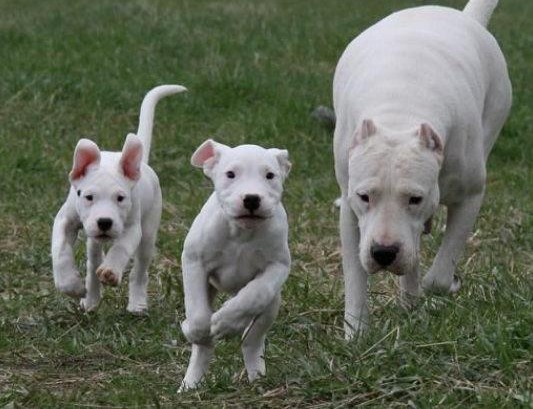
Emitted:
pixel 354 328
pixel 441 284
pixel 225 323
pixel 196 330
pixel 89 304
pixel 73 286
pixel 107 276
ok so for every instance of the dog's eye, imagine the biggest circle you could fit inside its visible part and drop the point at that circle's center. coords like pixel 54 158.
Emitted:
pixel 415 200
pixel 230 174
pixel 270 175
pixel 120 198
pixel 89 198
pixel 364 197
pixel 79 193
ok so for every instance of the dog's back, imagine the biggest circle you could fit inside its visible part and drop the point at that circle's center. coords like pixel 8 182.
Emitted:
pixel 421 60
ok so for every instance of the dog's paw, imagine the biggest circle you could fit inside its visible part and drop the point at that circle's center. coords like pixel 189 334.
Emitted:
pixel 408 301
pixel 140 309
pixel 355 329
pixel 89 304
pixel 107 276
pixel 196 330
pixel 225 323
pixel 73 286
pixel 439 285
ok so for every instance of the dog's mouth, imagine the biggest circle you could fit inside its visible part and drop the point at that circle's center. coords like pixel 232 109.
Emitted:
pixel 250 217
pixel 103 236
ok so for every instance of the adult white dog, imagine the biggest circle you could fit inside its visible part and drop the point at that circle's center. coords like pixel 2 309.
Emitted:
pixel 238 245
pixel 420 98
pixel 115 197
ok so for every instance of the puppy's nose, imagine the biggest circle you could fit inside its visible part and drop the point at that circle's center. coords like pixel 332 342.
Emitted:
pixel 104 223
pixel 251 202
pixel 384 255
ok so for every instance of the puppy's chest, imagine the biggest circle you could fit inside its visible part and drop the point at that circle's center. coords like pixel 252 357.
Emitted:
pixel 232 267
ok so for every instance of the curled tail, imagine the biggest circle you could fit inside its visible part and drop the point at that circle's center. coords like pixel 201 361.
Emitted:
pixel 146 117
pixel 480 10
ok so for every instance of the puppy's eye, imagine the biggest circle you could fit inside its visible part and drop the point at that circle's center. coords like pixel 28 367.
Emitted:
pixel 364 197
pixel 415 200
pixel 230 174
pixel 270 175
pixel 89 198
pixel 79 193
pixel 120 198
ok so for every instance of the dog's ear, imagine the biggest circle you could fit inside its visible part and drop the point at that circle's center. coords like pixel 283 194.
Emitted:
pixel 365 130
pixel 130 161
pixel 207 155
pixel 431 140
pixel 282 156
pixel 86 155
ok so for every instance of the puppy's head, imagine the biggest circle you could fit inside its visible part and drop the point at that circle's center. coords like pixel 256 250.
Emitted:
pixel 103 188
pixel 393 190
pixel 248 179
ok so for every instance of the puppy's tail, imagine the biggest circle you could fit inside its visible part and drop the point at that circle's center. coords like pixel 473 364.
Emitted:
pixel 146 117
pixel 480 10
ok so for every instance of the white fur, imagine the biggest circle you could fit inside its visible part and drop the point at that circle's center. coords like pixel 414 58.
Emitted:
pixel 121 188
pixel 227 251
pixel 420 99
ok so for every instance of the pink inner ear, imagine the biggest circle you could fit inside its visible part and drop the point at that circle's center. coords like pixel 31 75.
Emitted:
pixel 204 154
pixel 84 158
pixel 131 161
pixel 368 128
pixel 430 138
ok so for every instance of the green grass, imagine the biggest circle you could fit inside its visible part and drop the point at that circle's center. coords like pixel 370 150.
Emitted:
pixel 255 70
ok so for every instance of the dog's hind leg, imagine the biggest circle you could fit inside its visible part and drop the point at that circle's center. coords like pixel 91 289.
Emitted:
pixel 95 256
pixel 138 283
pixel 253 344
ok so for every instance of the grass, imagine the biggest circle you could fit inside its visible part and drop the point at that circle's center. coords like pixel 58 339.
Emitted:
pixel 255 70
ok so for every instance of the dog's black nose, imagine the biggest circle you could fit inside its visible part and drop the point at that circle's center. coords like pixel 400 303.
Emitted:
pixel 251 202
pixel 384 255
pixel 104 223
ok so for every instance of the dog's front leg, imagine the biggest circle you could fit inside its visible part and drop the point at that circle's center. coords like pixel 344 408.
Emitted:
pixel 198 298
pixel 253 344
pixel 116 259
pixel 251 301
pixel 200 357
pixel 459 224
pixel 355 277
pixel 409 289
pixel 64 233
pixel 95 256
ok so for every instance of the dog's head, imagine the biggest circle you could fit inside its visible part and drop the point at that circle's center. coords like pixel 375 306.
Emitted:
pixel 103 190
pixel 393 190
pixel 248 179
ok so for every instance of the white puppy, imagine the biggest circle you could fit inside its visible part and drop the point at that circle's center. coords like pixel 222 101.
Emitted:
pixel 237 245
pixel 115 197
pixel 420 98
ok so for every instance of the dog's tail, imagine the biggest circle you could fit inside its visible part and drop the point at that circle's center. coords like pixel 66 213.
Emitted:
pixel 480 10
pixel 146 117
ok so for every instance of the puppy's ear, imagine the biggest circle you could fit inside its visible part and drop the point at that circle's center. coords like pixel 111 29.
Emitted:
pixel 282 156
pixel 430 140
pixel 130 161
pixel 207 155
pixel 365 130
pixel 86 155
